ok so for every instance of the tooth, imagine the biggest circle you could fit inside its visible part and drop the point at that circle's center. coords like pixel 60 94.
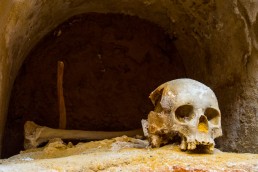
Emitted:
pixel 183 145
pixel 211 148
pixel 191 145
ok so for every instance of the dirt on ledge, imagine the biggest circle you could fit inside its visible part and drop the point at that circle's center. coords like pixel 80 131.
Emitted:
pixel 125 154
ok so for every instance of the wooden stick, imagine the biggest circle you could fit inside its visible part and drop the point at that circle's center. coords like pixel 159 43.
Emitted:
pixel 60 95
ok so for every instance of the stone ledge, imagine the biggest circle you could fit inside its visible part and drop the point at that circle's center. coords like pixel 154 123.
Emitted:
pixel 125 154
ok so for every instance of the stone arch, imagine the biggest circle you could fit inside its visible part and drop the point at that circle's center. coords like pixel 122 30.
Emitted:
pixel 214 38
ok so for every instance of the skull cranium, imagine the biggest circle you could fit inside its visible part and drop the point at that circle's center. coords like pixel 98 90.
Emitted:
pixel 186 108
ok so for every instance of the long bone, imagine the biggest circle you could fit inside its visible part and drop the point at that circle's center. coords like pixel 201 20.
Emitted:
pixel 36 134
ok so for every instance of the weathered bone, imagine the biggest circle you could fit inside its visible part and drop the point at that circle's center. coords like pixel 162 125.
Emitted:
pixel 186 108
pixel 36 134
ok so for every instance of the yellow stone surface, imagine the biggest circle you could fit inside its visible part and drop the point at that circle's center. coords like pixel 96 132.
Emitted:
pixel 124 154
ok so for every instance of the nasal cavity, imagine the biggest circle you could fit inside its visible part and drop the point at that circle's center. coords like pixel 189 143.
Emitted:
pixel 203 124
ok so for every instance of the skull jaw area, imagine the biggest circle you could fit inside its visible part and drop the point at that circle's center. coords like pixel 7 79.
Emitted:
pixel 188 143
pixel 195 137
pixel 161 132
pixel 202 141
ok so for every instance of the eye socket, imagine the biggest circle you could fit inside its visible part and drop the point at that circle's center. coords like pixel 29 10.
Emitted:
pixel 184 113
pixel 212 115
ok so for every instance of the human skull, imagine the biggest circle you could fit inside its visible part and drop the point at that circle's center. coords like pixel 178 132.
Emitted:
pixel 186 108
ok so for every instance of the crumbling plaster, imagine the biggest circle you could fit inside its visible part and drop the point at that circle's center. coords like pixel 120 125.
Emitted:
pixel 216 39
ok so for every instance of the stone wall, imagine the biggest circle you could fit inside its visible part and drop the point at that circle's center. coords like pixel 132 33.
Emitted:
pixel 216 39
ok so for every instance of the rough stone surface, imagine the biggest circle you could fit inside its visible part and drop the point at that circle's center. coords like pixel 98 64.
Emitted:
pixel 216 39
pixel 125 154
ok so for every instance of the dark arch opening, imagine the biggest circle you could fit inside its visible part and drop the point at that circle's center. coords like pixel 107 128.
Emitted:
pixel 112 63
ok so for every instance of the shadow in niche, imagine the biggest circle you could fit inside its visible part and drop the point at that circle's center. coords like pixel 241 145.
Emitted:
pixel 112 61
